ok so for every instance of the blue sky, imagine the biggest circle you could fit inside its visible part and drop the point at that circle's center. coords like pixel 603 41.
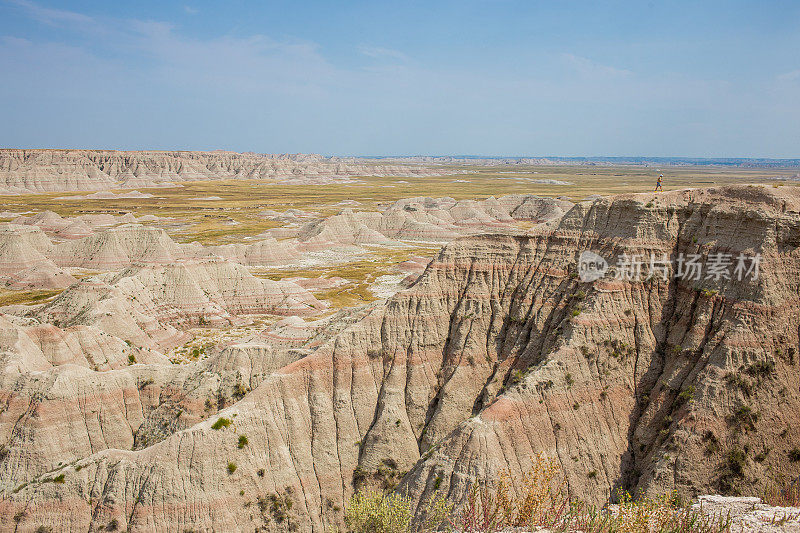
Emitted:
pixel 481 77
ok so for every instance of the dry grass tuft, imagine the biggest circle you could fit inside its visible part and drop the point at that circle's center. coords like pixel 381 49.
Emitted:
pixel 27 297
pixel 539 501
pixel 783 495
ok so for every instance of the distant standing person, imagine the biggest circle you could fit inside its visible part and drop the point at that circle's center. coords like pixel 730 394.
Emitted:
pixel 658 183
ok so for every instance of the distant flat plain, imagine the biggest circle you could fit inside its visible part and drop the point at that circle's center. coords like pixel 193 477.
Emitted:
pixel 236 214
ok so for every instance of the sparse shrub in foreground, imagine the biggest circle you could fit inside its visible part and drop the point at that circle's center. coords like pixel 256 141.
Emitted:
pixel 540 501
pixel 542 494
pixel 783 495
pixel 372 511
pixel 242 441
pixel 546 505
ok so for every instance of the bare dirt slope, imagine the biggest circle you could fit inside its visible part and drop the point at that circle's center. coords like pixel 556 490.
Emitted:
pixel 498 352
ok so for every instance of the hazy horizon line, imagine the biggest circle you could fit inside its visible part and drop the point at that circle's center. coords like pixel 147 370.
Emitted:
pixel 422 155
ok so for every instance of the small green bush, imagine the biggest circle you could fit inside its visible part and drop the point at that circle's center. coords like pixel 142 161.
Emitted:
pixel 735 380
pixel 794 455
pixel 221 422
pixel 761 368
pixel 231 468
pixel 745 417
pixel 736 460
pixel 761 456
pixel 279 508
pixel 242 441
pixel 131 359
pixel 516 377
pixel 686 395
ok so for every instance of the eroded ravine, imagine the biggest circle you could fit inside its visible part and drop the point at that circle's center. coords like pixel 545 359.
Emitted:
pixel 562 367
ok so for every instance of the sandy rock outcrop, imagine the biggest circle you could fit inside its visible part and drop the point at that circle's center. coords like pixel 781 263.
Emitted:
pixel 95 406
pixel 47 221
pixel 750 513
pixel 122 246
pixel 266 252
pixel 425 219
pixel 500 352
pixel 23 260
pixel 30 346
pixel 144 302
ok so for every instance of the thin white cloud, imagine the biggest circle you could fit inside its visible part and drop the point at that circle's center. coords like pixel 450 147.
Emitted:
pixel 190 10
pixel 14 41
pixel 239 64
pixel 588 67
pixel 222 65
pixel 377 52
pixel 792 75
pixel 50 16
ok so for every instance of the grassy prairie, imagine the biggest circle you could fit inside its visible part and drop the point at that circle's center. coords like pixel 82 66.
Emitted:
pixel 235 215
pixel 27 297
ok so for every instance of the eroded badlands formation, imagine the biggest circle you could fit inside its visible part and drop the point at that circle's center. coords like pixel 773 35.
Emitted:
pixel 25 171
pixel 497 352
pixel 426 219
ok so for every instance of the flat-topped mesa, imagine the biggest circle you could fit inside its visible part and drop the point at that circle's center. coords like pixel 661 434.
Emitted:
pixel 25 171
pixel 499 352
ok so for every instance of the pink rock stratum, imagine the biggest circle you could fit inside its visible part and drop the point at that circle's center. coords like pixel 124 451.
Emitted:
pixel 499 351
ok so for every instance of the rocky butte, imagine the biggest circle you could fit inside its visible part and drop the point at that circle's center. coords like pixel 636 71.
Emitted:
pixel 496 353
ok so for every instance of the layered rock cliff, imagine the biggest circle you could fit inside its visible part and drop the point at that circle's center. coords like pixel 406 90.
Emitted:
pixel 24 171
pixel 497 353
